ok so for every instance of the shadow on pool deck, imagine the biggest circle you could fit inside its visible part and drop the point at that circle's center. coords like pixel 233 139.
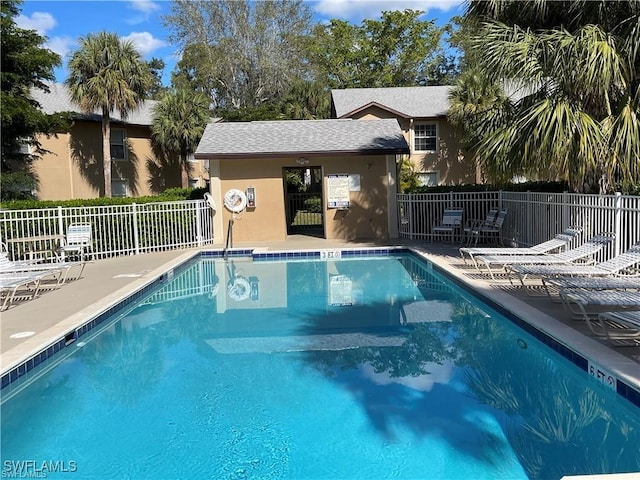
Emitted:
pixel 55 312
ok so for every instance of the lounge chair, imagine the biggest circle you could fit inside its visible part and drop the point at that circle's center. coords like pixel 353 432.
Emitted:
pixel 507 262
pixel 10 283
pixel 559 241
pixel 608 268
pixel 450 225
pixel 488 231
pixel 620 327
pixel 583 304
pixel 61 269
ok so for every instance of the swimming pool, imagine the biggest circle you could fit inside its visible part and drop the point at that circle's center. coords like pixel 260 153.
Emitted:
pixel 347 368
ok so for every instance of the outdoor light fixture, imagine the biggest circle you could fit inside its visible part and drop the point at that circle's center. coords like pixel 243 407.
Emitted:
pixel 302 161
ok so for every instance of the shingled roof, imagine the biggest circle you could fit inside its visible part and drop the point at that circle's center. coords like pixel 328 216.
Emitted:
pixel 301 137
pixel 58 100
pixel 410 102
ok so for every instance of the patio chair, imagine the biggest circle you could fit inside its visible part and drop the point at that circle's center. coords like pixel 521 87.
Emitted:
pixel 507 263
pixel 450 225
pixel 488 231
pixel 561 240
pixel 78 240
pixel 10 283
pixel 608 268
pixel 477 223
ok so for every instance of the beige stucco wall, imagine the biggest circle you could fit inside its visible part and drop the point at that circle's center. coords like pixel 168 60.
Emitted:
pixel 366 219
pixel 449 160
pixel 73 167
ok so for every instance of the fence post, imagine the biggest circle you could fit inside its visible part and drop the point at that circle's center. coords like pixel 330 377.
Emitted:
pixel 565 211
pixel 451 199
pixel 136 240
pixel 60 222
pixel 199 223
pixel 411 195
pixel 617 221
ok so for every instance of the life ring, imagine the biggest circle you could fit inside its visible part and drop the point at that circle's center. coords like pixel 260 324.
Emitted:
pixel 235 200
pixel 239 290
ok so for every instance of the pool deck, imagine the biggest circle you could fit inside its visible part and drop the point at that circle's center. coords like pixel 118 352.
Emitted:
pixel 28 327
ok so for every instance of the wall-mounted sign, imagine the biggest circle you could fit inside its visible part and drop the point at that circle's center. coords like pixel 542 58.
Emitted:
pixel 338 191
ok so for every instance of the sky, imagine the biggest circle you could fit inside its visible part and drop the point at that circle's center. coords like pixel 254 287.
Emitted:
pixel 62 23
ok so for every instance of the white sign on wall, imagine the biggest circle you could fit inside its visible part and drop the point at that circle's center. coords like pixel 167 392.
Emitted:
pixel 338 191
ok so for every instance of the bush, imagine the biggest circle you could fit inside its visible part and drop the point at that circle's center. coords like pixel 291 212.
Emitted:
pixel 551 187
pixel 313 205
pixel 169 195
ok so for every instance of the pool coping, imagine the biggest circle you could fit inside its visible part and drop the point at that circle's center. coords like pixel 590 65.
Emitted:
pixel 603 364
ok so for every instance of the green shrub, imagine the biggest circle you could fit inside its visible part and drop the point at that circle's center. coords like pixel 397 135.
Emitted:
pixel 313 205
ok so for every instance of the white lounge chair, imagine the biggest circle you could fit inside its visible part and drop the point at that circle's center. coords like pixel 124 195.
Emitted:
pixel 505 262
pixel 559 241
pixel 584 304
pixel 608 268
pixel 61 269
pixel 10 283
pixel 620 327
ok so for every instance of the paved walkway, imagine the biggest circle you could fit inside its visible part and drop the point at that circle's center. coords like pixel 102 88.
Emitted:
pixel 28 327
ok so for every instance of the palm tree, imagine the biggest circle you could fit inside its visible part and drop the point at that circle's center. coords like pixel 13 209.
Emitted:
pixel 107 74
pixel 573 109
pixel 179 119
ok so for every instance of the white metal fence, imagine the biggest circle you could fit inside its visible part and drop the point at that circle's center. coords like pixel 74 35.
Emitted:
pixel 532 217
pixel 117 229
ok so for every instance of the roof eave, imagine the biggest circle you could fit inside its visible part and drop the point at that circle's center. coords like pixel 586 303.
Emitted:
pixel 302 153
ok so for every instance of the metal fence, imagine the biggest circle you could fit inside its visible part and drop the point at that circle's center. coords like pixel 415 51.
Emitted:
pixel 532 217
pixel 117 230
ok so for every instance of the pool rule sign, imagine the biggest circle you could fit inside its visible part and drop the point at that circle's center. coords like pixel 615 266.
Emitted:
pixel 338 191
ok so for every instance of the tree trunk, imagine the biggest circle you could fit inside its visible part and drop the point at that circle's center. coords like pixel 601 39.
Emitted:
pixel 184 169
pixel 106 151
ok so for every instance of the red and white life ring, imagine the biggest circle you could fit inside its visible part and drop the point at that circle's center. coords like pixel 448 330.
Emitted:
pixel 235 200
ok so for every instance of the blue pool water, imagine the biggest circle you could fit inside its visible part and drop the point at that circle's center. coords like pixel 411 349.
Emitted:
pixel 347 369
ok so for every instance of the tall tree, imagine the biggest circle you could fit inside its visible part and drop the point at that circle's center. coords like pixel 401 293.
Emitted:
pixel 107 74
pixel 156 67
pixel 398 50
pixel 26 65
pixel 179 119
pixel 241 53
pixel 572 78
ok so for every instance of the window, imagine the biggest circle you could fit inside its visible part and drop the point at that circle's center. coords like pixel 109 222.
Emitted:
pixel 118 144
pixel 428 179
pixel 119 188
pixel 425 137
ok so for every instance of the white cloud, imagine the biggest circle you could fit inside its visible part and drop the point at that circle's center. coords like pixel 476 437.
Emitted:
pixel 61 45
pixel 360 9
pixel 41 22
pixel 145 42
pixel 145 7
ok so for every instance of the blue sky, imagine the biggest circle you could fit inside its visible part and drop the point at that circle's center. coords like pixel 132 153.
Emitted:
pixel 64 22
